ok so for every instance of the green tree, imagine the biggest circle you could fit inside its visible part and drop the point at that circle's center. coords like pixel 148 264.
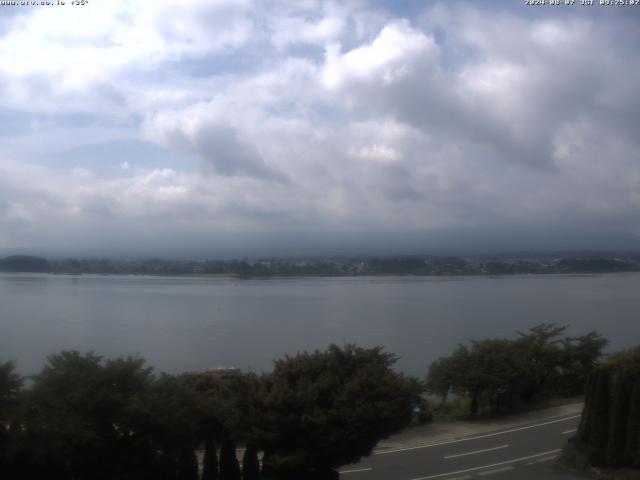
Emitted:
pixel 489 373
pixel 542 348
pixel 330 408
pixel 227 405
pixel 497 374
pixel 168 416
pixel 77 420
pixel 444 373
pixel 580 355
pixel 609 431
pixel 10 388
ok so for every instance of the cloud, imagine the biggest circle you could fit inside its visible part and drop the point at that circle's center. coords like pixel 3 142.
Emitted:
pixel 386 58
pixel 316 117
pixel 54 55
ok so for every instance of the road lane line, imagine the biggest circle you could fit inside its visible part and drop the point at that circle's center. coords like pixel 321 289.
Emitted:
pixel 506 462
pixel 546 459
pixel 566 432
pixel 497 470
pixel 448 442
pixel 356 470
pixel 476 451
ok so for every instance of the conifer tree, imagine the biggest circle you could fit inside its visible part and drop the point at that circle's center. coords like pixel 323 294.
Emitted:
pixel 229 466
pixel 210 462
pixel 188 465
pixel 250 464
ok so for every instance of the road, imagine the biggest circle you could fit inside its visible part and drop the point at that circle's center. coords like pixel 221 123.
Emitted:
pixel 523 452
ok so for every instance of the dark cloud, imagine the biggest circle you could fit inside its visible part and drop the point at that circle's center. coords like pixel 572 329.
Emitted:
pixel 225 154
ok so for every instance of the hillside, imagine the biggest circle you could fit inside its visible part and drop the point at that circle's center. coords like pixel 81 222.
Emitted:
pixel 24 263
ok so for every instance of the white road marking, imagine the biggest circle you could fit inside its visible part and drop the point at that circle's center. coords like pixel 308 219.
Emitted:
pixel 429 445
pixel 566 432
pixel 546 459
pixel 476 451
pixel 497 470
pixel 466 477
pixel 356 470
pixel 506 462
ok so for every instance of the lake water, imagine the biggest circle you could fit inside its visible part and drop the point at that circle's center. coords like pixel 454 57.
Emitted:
pixel 184 324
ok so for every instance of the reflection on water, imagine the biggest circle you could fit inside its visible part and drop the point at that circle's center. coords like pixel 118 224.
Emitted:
pixel 196 323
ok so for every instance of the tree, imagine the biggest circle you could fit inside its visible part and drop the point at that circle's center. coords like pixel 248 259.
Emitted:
pixel 541 345
pixel 496 374
pixel 609 431
pixel 489 373
pixel 77 420
pixel 250 464
pixel 187 464
pixel 580 355
pixel 227 405
pixel 210 461
pixel 10 388
pixel 444 373
pixel 329 408
pixel 168 416
pixel 229 466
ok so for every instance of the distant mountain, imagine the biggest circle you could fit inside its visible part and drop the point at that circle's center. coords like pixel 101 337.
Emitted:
pixel 24 263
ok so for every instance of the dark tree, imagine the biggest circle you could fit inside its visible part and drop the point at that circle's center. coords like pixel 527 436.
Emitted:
pixel 188 465
pixel 330 408
pixel 579 356
pixel 77 419
pixel 609 432
pixel 24 263
pixel 250 464
pixel 497 374
pixel 210 461
pixel 10 387
pixel 229 466
pixel 169 419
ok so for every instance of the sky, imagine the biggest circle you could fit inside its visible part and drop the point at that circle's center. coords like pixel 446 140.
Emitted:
pixel 245 127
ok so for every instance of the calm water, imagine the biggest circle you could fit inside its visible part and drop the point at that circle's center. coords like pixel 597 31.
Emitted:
pixel 195 323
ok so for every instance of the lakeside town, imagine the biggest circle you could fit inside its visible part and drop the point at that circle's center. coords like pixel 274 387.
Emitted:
pixel 522 264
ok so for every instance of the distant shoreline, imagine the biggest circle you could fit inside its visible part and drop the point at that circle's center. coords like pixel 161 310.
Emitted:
pixel 231 276
pixel 330 267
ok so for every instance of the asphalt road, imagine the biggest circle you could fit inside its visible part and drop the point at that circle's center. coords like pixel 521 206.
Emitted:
pixel 522 453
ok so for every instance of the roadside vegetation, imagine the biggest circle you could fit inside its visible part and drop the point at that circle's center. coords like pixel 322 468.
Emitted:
pixel 87 417
pixel 504 375
pixel 609 433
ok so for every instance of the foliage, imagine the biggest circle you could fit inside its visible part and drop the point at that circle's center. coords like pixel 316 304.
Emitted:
pixel 610 424
pixel 79 414
pixel 329 408
pixel 10 386
pixel 229 466
pixel 24 263
pixel 250 464
pixel 497 374
pixel 210 461
pixel 226 405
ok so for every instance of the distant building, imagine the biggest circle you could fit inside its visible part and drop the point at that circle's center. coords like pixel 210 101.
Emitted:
pixel 217 373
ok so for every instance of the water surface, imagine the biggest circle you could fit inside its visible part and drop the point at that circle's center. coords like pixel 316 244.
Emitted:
pixel 182 324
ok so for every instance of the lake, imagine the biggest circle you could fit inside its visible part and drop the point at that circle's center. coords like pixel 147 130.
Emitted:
pixel 188 324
